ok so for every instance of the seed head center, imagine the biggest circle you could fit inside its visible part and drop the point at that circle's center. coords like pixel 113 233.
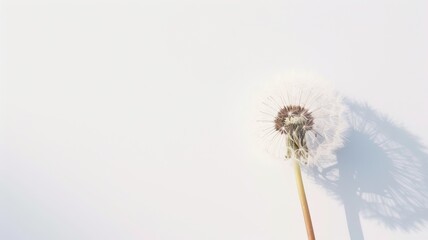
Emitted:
pixel 294 121
pixel 292 118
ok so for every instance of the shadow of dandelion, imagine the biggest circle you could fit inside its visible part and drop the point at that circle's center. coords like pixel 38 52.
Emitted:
pixel 381 173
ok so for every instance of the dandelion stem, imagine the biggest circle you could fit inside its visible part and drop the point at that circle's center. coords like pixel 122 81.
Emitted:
pixel 303 202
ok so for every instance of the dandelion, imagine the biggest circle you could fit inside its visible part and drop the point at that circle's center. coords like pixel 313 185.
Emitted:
pixel 303 122
pixel 306 115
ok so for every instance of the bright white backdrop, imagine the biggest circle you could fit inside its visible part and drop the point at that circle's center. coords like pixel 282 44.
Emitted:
pixel 134 119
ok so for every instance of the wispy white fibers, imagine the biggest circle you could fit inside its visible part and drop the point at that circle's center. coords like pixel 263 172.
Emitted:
pixel 303 118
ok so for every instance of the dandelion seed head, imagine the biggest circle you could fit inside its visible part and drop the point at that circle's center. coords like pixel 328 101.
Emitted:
pixel 303 119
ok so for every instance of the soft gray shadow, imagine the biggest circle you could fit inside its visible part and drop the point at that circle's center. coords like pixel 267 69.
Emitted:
pixel 381 173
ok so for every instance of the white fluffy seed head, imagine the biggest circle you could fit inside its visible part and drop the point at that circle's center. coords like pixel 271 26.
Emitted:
pixel 303 119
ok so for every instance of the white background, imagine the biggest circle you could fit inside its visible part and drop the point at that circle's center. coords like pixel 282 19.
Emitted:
pixel 133 119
